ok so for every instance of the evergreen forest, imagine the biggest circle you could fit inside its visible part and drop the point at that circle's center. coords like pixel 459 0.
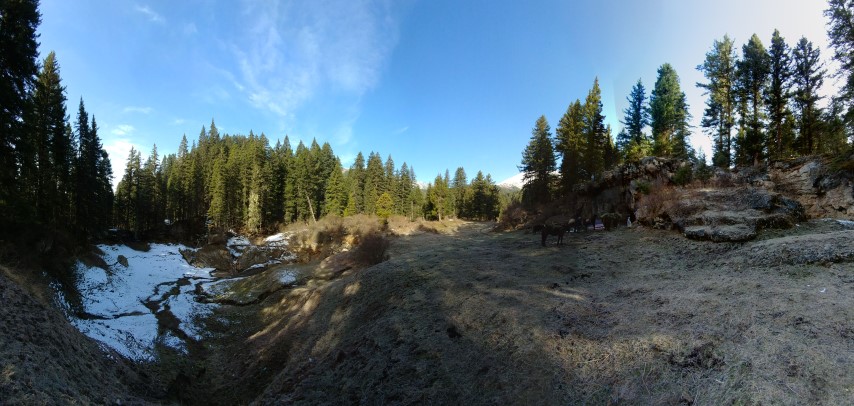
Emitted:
pixel 762 104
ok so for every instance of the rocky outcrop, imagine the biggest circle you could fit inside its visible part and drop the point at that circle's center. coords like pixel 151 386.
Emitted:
pixel 822 191
pixel 618 190
pixel 210 256
pixel 736 205
pixel 732 214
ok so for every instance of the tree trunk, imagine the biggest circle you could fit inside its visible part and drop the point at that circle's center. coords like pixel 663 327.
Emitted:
pixel 310 209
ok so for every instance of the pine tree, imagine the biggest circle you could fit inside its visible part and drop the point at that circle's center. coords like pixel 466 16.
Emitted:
pixel 610 154
pixel 437 196
pixel 336 192
pixel 458 191
pixel 218 210
pixel 54 149
pixel 254 210
pixel 357 183
pixel 289 195
pixel 299 173
pixel 719 115
pixel 777 96
pixel 385 205
pixel 834 134
pixel 416 195
pixel 570 145
pixel 538 163
pixel 448 206
pixel 18 69
pixel 404 189
pixel 594 135
pixel 635 119
pixel 752 73
pixel 391 181
pixel 807 78
pixel 126 194
pixel 374 182
pixel 840 14
pixel 668 113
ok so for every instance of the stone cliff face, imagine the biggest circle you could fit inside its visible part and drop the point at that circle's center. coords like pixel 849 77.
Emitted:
pixel 823 192
pixel 619 189
pixel 732 206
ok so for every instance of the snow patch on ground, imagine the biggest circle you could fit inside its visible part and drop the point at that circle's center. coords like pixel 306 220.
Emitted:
pixel 280 238
pixel 121 305
pixel 287 277
pixel 114 310
pixel 237 244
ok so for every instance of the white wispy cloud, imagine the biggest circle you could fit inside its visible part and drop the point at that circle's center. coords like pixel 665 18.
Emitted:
pixel 292 51
pixel 122 130
pixel 178 121
pixel 190 29
pixel 152 15
pixel 401 130
pixel 137 109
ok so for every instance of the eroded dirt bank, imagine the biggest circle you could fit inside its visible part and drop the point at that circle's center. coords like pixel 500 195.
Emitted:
pixel 45 361
pixel 635 315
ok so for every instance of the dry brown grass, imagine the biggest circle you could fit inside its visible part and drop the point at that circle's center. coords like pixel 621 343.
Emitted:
pixel 371 249
pixel 656 203
pixel 635 316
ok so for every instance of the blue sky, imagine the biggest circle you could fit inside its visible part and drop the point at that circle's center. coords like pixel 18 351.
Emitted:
pixel 438 84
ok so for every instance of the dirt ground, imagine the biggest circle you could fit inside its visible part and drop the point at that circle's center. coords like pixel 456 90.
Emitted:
pixel 46 361
pixel 633 316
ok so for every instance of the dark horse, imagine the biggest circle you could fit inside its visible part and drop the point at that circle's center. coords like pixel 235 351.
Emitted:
pixel 553 229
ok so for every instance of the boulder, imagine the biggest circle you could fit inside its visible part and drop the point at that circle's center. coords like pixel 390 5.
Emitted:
pixel 823 192
pixel 721 233
pixel 728 214
pixel 250 257
pixel 213 256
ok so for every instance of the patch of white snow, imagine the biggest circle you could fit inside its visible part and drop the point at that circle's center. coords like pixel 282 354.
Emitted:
pixel 113 300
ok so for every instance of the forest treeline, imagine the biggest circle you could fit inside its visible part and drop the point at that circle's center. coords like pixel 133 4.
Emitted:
pixel 241 182
pixel 762 104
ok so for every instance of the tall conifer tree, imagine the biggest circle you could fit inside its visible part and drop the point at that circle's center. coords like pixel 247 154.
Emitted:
pixel 538 163
pixel 807 78
pixel 719 115
pixel 752 72
pixel 777 96
pixel 570 144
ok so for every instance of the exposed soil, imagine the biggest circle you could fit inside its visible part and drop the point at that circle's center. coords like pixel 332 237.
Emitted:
pixel 45 361
pixel 462 315
pixel 636 316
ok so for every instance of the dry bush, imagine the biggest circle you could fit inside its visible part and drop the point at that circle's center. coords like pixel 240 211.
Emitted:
pixel 334 229
pixel 428 228
pixel 655 204
pixel 371 249
pixel 685 203
pixel 512 217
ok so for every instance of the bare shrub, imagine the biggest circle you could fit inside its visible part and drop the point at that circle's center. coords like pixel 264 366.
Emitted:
pixel 428 228
pixel 371 249
pixel 512 217
pixel 655 204
pixel 685 204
